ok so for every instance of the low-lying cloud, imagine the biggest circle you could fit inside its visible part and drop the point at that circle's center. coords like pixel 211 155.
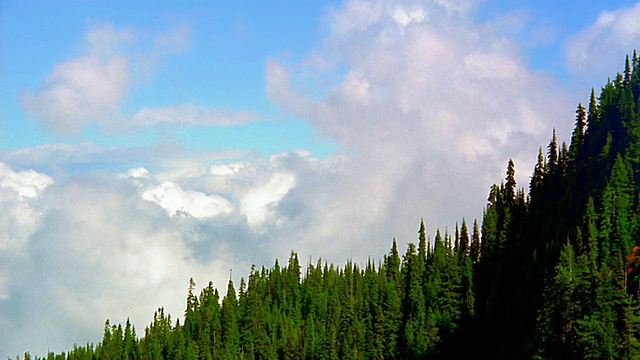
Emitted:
pixel 425 105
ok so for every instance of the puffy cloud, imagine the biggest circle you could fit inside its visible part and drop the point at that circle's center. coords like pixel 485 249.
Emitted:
pixel 175 200
pixel 88 238
pixel 258 203
pixel 92 88
pixel 29 184
pixel 356 16
pixel 427 108
pixel 97 239
pixel 19 191
pixel 613 35
pixel 430 105
pixel 85 89
pixel 404 17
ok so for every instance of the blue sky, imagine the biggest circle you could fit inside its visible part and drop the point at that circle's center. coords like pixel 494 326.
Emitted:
pixel 222 65
pixel 223 60
pixel 145 143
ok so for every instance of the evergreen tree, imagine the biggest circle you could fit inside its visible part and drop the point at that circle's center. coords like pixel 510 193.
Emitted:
pixel 392 302
pixel 230 335
pixel 475 243
pixel 577 138
pixel 415 340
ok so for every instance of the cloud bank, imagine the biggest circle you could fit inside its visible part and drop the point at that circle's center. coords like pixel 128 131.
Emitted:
pixel 427 107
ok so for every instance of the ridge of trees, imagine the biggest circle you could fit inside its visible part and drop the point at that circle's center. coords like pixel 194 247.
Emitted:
pixel 548 274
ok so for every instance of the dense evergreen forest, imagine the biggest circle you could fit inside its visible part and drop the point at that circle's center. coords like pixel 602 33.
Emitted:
pixel 550 273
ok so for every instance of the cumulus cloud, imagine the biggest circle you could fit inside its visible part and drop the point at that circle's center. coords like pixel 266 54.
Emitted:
pixel 19 190
pixel 76 244
pixel 27 184
pixel 97 240
pixel 431 105
pixel 427 108
pixel 257 204
pixel 175 200
pixel 85 89
pixel 613 35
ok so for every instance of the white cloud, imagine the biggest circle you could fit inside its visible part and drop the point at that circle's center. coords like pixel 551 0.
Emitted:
pixel 226 169
pixel 492 66
pixel 98 251
pixel 27 183
pixel 86 89
pixel 613 35
pixel 356 16
pixel 431 105
pixel 426 114
pixel 92 238
pixel 93 87
pixel 190 115
pixel 404 17
pixel 19 190
pixel 258 203
pixel 175 200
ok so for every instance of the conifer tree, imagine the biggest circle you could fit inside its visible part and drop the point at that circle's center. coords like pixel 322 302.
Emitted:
pixel 552 154
pixel 511 184
pixel 577 137
pixel 415 315
pixel 392 302
pixel 230 335
pixel 537 179
pixel 475 243
pixel 463 250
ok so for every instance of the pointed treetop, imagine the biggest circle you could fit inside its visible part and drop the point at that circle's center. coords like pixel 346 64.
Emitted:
pixel 475 243
pixel 552 156
pixel 511 184
pixel 538 172
pixel 463 251
pixel 593 108
pixel 577 138
pixel 627 71
pixel 422 240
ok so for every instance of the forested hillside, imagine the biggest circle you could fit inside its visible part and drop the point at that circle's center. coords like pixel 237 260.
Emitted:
pixel 549 273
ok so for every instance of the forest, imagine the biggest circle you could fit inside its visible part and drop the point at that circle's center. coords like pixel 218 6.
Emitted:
pixel 550 272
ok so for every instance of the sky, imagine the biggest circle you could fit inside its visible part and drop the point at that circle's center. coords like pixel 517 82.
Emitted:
pixel 145 143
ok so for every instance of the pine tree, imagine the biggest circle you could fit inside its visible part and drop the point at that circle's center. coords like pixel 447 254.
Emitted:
pixel 552 154
pixel 415 315
pixel 511 184
pixel 191 321
pixel 230 335
pixel 537 179
pixel 392 302
pixel 577 137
